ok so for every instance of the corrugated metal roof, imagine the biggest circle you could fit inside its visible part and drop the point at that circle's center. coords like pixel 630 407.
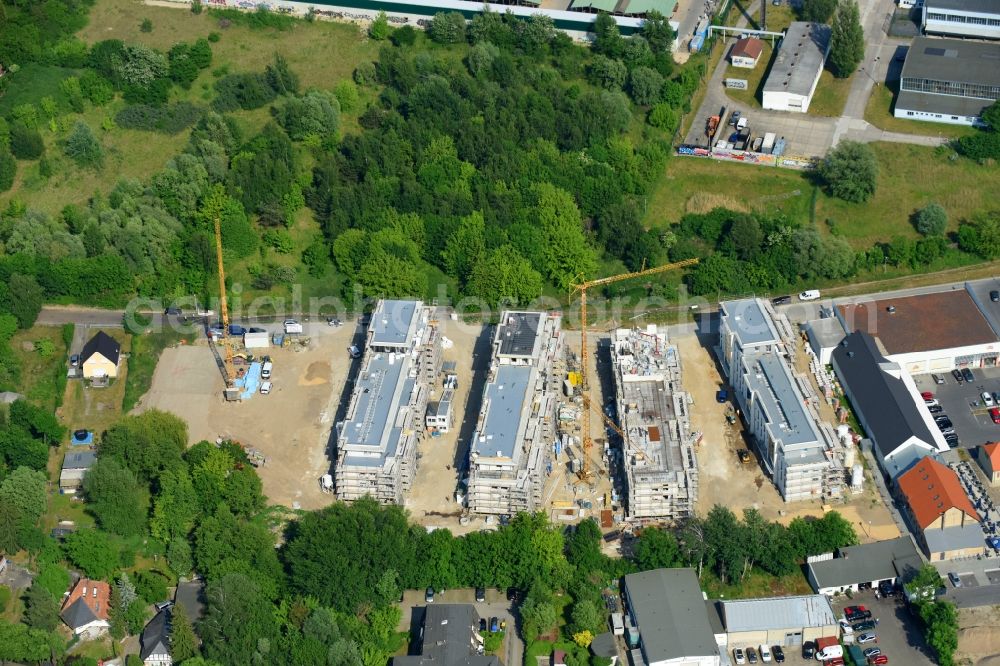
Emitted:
pixel 602 5
pixel 637 7
pixel 811 610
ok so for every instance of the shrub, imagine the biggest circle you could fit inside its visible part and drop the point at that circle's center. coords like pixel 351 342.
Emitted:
pixel 403 36
pixel 170 119
pixel 214 37
pixel 931 220
pixel 850 171
pixel 196 7
pixel 82 146
pixel 8 170
pixel 25 142
pixel 242 91
pixel 664 117
pixel 96 88
pixel 447 28
pixel 379 29
pixel 146 25
pixel 364 74
pixel 346 93
pixel 156 93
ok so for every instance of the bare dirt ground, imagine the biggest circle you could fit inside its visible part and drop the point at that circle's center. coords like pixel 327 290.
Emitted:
pixel 978 639
pixel 291 426
pixel 724 480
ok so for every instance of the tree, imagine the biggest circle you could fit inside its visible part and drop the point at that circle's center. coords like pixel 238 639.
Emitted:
pixel 607 73
pixel 53 578
pixel 317 113
pixel 82 146
pixel 538 617
pixel 664 117
pixel 931 220
pixel 586 616
pixel 656 549
pixel 447 28
pixel 116 498
pixel 657 31
pixel 25 142
pixel 8 169
pixel 379 29
pixel 26 304
pixel 645 85
pixel 607 38
pixel 183 642
pixel 239 624
pixel 566 253
pixel 818 11
pixel 176 506
pixel 41 609
pixel 850 171
pixel 847 40
pixel 504 276
pixel 24 490
pixel 924 585
pixel 92 552
pixel 179 556
pixel 941 622
pixel 148 443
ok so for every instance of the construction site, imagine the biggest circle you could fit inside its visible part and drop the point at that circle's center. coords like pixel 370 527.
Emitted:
pixel 376 444
pixel 658 459
pixel 510 452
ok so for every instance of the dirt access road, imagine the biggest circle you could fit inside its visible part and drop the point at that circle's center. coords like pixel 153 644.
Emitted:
pixel 291 425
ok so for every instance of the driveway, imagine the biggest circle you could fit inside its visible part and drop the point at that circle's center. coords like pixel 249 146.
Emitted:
pixel 900 634
pixel 963 405
pixel 16 577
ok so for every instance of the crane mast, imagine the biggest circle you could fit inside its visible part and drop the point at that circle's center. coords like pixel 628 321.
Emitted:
pixel 229 371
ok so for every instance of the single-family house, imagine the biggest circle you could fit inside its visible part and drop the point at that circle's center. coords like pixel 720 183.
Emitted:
pixel 941 515
pixel 746 52
pixel 154 643
pixel 85 609
pixel 988 457
pixel 74 468
pixel 100 357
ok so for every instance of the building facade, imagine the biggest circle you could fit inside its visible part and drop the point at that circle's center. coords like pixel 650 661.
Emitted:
pixel 988 457
pixel 746 52
pixel 978 19
pixel 800 452
pixel 942 518
pixel 784 621
pixel 661 469
pixel 948 80
pixel 893 561
pixel 509 457
pixel 377 442
pixel 100 357
pixel 796 69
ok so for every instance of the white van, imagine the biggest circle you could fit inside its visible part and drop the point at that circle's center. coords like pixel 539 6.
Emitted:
pixel 830 652
pixel 809 295
pixel 765 653
pixel 265 372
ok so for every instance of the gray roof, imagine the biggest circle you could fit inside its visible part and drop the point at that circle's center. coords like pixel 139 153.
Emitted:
pixel 783 402
pixel 505 401
pixel 826 332
pixel 7 397
pixel 189 596
pixel 946 105
pixel 78 614
pixel 155 638
pixel 79 460
pixel 518 334
pixel 447 638
pixel 748 321
pixel 969 535
pixel 957 60
pixel 668 607
pixel 393 321
pixel 800 59
pixel 382 388
pixel 882 560
pixel 604 645
pixel 888 410
pixel 979 6
pixel 812 610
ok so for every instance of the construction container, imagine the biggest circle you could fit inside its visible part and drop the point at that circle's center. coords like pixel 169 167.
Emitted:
pixel 256 340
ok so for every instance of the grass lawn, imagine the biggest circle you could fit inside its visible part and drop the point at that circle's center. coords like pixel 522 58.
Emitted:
pixel 831 95
pixel 879 113
pixel 31 83
pixel 146 350
pixel 757 584
pixel 41 377
pixel 778 17
pixel 751 97
pixel 97 408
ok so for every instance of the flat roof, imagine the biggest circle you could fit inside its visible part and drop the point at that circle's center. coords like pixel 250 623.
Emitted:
pixel 504 401
pixel 519 334
pixel 958 537
pixel 812 610
pixel 865 563
pixel 979 291
pixel 959 60
pixel 926 322
pixel 946 105
pixel 394 321
pixel 883 400
pixel 669 609
pixel 79 460
pixel 978 6
pixel 382 388
pixel 800 59
pixel 748 321
pixel 783 402
pixel 826 332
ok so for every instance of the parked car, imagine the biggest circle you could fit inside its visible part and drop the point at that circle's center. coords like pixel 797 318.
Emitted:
pixel 74 360
pixel 735 118
pixel 721 396
pixel 931 403
pixel 987 399
pixel 951 439
pixel 265 370
pixel 738 656
pixel 512 594
pixel 935 409
pixel 808 650
pixel 845 626
pixel 765 654
pixel 354 352
pixel 995 296
pixel 744 456
pixel 781 300
pixel 955 580
pixel 938 379
pixel 872 652
pixel 809 295
pixel 265 388
pixel 867 638
pixel 779 654
pixel 494 624
pixel 866 625
pixel 879 660
pixel 856 613
pixel 995 415
pixel 333 321
pixel 429 595
pixel 959 377
pixel 967 374
pixel 944 423
pixel 480 594
pixel 256 329
pixel 236 329
pixel 482 624
pixel 751 655
pixel 927 395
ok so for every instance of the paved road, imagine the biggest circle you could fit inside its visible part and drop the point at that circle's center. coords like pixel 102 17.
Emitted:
pixel 56 315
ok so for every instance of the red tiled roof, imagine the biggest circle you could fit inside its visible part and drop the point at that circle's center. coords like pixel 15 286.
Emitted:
pixel 941 320
pixel 931 489
pixel 95 593
pixel 992 451
pixel 748 47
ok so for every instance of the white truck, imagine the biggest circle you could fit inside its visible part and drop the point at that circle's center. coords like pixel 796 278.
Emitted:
pixel 292 326
pixel 768 143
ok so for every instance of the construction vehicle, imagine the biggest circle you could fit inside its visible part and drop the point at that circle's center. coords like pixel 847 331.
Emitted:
pixel 231 392
pixel 582 288
pixel 711 126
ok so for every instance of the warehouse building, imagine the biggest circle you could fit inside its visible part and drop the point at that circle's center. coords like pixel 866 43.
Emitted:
pixel 979 19
pixel 800 452
pixel 866 566
pixel 939 512
pixel 510 449
pixel 661 470
pixel 797 67
pixel 885 400
pixel 666 608
pixel 948 80
pixel 377 442
pixel 784 621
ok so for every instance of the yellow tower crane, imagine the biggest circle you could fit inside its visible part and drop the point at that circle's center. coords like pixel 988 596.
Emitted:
pixel 227 348
pixel 582 288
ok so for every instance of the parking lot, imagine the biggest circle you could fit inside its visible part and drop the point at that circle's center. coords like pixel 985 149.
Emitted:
pixel 900 636
pixel 963 404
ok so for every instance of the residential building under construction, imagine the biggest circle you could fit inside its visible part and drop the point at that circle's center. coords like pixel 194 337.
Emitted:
pixel 377 441
pixel 661 471
pixel 509 456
